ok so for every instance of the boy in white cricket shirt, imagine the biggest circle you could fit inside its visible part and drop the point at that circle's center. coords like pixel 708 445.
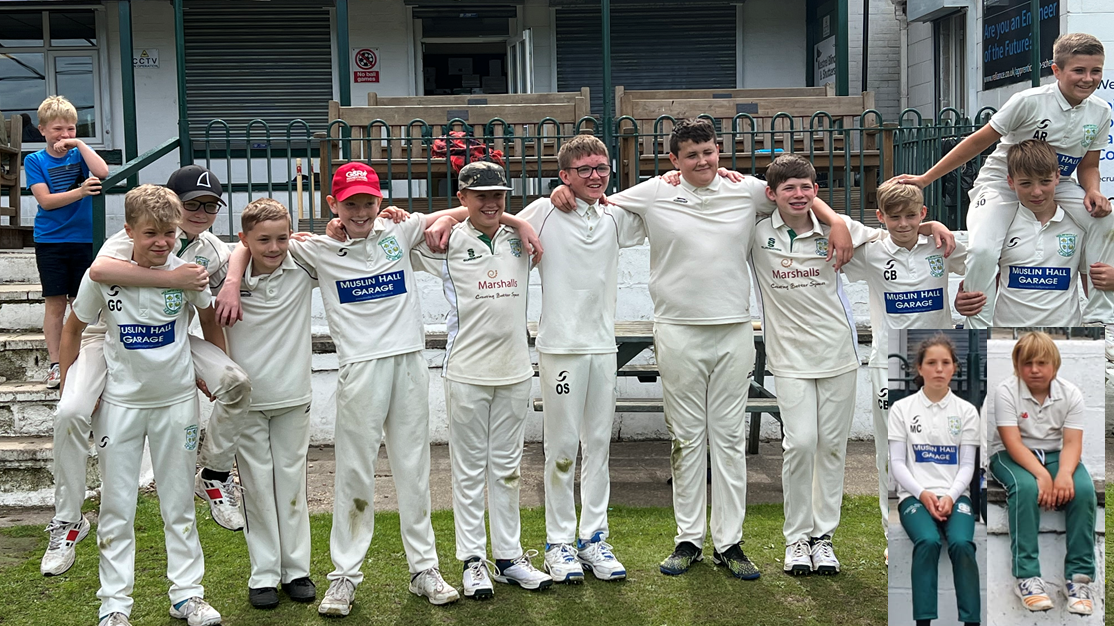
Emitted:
pixel 700 234
pixel 225 382
pixel 485 269
pixel 1041 264
pixel 810 343
pixel 149 394
pixel 368 289
pixel 275 293
pixel 907 277
pixel 1076 123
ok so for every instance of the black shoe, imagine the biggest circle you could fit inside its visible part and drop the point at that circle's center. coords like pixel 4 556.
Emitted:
pixel 737 562
pixel 263 598
pixel 300 590
pixel 684 555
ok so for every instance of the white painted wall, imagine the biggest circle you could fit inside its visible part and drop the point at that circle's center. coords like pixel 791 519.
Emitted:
pixel 383 24
pixel 774 44
pixel 922 81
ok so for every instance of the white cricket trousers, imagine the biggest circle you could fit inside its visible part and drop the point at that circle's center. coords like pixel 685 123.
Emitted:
pixel 816 414
pixel 172 434
pixel 272 462
pixel 486 428
pixel 578 392
pixel 381 401
pixel 85 382
pixel 993 206
pixel 880 408
pixel 704 372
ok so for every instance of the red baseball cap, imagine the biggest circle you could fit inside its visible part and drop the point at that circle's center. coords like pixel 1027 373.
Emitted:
pixel 354 178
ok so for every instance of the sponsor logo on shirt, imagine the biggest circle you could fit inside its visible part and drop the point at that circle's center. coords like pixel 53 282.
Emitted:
pixel 1067 244
pixel 390 247
pixel 954 425
pixel 936 265
pixel 516 246
pixel 497 284
pixel 811 272
pixel 918 301
pixel 1025 415
pixel 770 245
pixel 244 293
pixel 1013 242
pixel 342 252
pixel 471 255
pixel 940 455
pixel 173 299
pixel 681 200
pixel 1067 163
pixel 1090 131
pixel 143 337
pixel 822 246
pixel 371 287
pixel 191 437
pixel 1044 278
pixel 202 261
pixel 915 425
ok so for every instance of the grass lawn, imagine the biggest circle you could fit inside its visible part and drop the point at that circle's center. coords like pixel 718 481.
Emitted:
pixel 643 536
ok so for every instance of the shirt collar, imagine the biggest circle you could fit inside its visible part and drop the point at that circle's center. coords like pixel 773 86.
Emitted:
pixel 377 226
pixel 1060 99
pixel 476 232
pixel 1054 392
pixel 778 222
pixel 929 403
pixel 892 248
pixel 711 188
pixel 582 207
pixel 1031 217
pixel 251 282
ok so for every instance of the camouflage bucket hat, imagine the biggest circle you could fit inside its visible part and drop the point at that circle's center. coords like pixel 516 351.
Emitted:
pixel 483 176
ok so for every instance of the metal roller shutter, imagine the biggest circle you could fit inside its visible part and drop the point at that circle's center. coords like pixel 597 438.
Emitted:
pixel 267 60
pixel 678 45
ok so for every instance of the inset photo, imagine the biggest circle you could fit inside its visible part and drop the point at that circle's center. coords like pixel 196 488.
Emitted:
pixel 1046 414
pixel 937 530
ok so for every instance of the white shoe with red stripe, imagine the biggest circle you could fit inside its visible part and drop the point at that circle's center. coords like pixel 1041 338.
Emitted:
pixel 60 553
pixel 224 500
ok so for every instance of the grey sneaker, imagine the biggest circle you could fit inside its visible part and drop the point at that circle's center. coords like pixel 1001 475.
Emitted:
pixel 60 553
pixel 430 584
pixel 338 599
pixel 197 612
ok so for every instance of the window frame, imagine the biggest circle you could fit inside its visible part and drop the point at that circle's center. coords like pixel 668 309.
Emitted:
pixel 52 52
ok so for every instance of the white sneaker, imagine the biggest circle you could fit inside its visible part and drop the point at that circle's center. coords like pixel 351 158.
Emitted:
pixel 114 619
pixel 429 583
pixel 1032 594
pixel 338 599
pixel 477 580
pixel 824 560
pixel 196 612
pixel 522 573
pixel 798 558
pixel 596 555
pixel 224 500
pixel 60 552
pixel 54 376
pixel 561 563
pixel 1080 598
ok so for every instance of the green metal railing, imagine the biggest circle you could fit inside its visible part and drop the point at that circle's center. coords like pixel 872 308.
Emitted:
pixel 852 154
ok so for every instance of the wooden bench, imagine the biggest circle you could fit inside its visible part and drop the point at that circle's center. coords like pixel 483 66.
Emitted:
pixel 753 127
pixel 396 139
pixel 12 235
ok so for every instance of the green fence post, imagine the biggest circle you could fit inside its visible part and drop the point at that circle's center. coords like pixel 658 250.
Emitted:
pixel 185 147
pixel 127 85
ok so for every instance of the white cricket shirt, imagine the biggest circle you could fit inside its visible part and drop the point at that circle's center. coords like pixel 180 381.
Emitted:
pixel 486 287
pixel 145 347
pixel 1039 268
pixel 273 342
pixel 933 433
pixel 578 271
pixel 699 244
pixel 368 289
pixel 1041 424
pixel 807 320
pixel 1043 113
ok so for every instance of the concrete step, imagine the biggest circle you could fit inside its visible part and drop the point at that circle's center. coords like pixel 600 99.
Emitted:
pixel 23 356
pixel 18 266
pixel 25 464
pixel 27 409
pixel 21 306
pixel 1006 609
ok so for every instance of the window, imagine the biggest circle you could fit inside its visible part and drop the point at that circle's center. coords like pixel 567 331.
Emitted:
pixel 50 52
pixel 951 63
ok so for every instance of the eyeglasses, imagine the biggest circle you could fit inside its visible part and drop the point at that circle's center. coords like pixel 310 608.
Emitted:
pixel 586 172
pixel 212 208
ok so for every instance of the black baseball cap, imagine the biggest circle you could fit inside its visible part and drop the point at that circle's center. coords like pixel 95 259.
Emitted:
pixel 194 181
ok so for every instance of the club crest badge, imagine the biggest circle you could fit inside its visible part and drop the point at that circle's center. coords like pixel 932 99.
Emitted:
pixel 822 246
pixel 516 246
pixel 191 437
pixel 936 265
pixel 202 261
pixel 1090 132
pixel 963 508
pixel 391 248
pixel 172 301
pixel 954 425
pixel 1067 244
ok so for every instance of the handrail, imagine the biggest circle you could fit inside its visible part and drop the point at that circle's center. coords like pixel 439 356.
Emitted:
pixel 125 171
